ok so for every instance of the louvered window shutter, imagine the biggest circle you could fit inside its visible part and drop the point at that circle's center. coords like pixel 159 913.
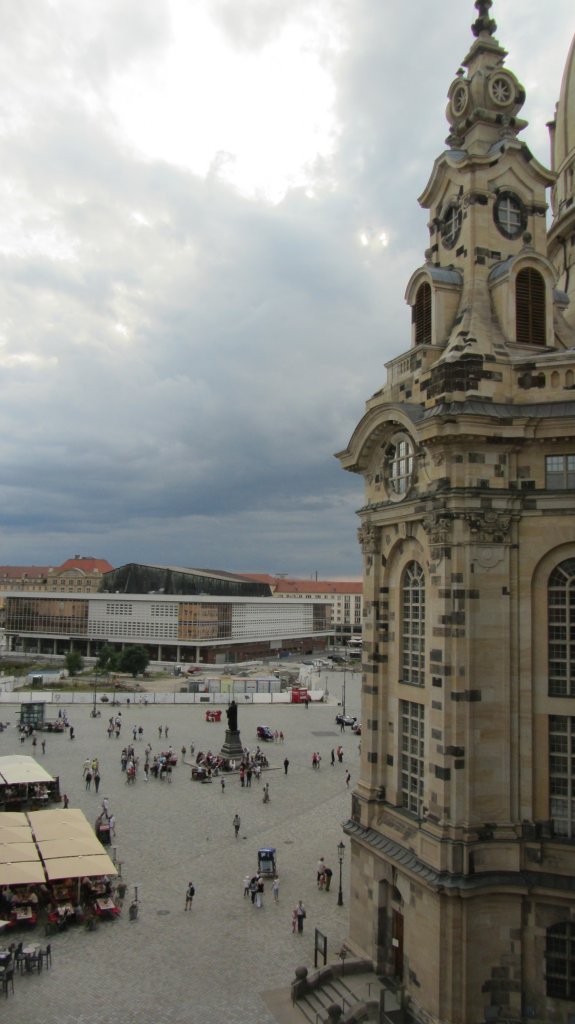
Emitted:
pixel 530 308
pixel 423 315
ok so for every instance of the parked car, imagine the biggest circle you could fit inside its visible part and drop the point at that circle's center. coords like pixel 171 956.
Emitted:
pixel 356 728
pixel 342 719
pixel 264 733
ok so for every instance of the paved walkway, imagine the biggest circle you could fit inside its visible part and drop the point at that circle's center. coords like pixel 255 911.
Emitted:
pixel 211 965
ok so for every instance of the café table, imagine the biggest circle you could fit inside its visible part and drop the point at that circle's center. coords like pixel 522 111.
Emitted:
pixel 106 906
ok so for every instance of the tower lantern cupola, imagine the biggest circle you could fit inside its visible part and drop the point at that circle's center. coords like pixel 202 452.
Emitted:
pixel 484 105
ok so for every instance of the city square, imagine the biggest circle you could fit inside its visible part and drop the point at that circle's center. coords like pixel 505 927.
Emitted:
pixel 217 962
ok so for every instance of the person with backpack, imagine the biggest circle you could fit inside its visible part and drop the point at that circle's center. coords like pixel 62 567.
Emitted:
pixel 190 893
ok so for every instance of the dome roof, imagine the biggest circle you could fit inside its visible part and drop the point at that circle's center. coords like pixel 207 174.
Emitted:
pixel 564 137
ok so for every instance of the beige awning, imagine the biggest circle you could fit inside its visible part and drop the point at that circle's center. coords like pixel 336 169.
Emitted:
pixel 14 819
pixel 57 824
pixel 22 873
pixel 15 835
pixel 78 867
pixel 17 769
pixel 71 846
pixel 15 852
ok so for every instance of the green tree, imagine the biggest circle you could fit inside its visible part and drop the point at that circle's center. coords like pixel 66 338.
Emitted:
pixel 107 659
pixel 134 659
pixel 74 662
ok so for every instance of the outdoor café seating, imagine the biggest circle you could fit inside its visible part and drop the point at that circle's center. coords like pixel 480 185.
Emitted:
pixel 106 908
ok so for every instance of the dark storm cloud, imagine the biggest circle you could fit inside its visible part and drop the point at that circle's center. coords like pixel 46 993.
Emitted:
pixel 178 361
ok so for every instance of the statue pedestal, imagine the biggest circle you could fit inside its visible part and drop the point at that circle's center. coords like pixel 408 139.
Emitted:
pixel 232 748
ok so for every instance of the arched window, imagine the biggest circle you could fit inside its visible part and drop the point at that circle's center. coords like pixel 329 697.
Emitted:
pixel 560 961
pixel 530 308
pixel 413 625
pixel 422 314
pixel 561 630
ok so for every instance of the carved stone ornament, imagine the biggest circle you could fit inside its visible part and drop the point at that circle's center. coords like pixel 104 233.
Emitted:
pixel 488 557
pixel 489 527
pixel 369 539
pixel 437 526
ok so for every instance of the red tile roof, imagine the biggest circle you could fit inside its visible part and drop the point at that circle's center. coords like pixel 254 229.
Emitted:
pixel 293 586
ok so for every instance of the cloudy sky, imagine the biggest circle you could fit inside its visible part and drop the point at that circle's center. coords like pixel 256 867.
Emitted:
pixel 208 216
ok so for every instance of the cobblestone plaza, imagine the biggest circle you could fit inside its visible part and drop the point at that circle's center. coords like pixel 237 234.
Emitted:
pixel 210 966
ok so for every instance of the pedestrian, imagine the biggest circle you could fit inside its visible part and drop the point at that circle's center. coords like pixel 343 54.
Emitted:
pixel 71 732
pixel 141 732
pixel 281 737
pixel 146 770
pixel 106 807
pixel 253 888
pixel 112 824
pixel 242 778
pixel 328 876
pixel 276 889
pixel 260 893
pixel 97 780
pixel 294 920
pixel 340 754
pixel 332 757
pixel 166 731
pixel 236 823
pixel 286 765
pixel 266 796
pixel 347 778
pixel 159 732
pixel 320 871
pixel 190 893
pixel 223 785
pixel 65 801
pixel 183 752
pixel 43 746
pixel 246 886
pixel 134 733
pixel 88 779
pixel 342 725
pixel 34 741
pixel 317 760
pixel 300 916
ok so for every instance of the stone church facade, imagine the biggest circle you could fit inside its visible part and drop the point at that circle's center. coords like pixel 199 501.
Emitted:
pixel 463 820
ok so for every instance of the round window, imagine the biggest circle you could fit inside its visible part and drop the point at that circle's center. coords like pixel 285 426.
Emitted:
pixel 459 100
pixel 510 215
pixel 501 90
pixel 451 226
pixel 399 465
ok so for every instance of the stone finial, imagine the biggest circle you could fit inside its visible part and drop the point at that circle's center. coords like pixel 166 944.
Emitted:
pixel 484 23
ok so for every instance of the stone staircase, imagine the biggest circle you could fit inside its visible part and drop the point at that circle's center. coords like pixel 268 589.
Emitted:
pixel 349 996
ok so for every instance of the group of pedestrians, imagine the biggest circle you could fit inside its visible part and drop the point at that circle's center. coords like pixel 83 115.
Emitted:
pixel 91 773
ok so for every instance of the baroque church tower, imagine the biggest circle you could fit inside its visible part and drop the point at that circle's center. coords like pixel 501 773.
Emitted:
pixel 463 820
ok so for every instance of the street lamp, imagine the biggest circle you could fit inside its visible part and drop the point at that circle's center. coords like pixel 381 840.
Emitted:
pixel 340 853
pixel 343 691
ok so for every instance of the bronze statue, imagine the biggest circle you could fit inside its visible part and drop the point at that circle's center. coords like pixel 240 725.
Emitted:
pixel 232 713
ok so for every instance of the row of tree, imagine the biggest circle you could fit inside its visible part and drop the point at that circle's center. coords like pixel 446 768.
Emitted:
pixel 133 659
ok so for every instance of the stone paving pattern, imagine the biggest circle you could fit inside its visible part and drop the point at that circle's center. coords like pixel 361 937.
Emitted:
pixel 207 966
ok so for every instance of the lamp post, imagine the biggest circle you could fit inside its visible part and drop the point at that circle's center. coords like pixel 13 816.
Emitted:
pixel 96 678
pixel 343 690
pixel 340 853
